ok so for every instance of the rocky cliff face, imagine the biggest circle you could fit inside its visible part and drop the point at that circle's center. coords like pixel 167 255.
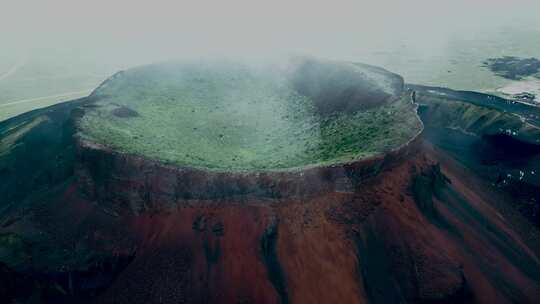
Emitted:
pixel 126 181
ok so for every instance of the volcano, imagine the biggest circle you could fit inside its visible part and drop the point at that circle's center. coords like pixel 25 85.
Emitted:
pixel 314 181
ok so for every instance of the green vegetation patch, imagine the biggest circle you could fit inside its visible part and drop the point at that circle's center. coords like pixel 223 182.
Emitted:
pixel 228 116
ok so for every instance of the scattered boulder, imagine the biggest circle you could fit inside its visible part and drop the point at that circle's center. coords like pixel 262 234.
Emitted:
pixel 124 112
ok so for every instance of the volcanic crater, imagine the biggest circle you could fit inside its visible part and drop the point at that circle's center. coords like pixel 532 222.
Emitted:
pixel 235 117
pixel 307 182
pixel 222 129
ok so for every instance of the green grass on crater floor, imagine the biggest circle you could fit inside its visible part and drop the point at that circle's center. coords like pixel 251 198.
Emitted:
pixel 232 117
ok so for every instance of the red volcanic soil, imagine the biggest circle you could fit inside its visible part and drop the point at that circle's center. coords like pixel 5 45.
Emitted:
pixel 422 231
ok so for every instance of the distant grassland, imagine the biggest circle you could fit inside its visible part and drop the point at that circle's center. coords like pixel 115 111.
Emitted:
pixel 235 118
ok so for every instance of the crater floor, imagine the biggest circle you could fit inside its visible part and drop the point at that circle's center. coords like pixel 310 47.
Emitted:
pixel 235 117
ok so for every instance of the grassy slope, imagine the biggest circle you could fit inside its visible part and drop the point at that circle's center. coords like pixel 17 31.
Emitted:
pixel 207 118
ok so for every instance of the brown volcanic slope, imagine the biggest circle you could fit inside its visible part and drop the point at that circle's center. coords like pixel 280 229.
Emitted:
pixel 412 226
pixel 415 233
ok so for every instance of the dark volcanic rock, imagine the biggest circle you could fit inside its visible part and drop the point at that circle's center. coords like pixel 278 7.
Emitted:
pixel 525 96
pixel 513 67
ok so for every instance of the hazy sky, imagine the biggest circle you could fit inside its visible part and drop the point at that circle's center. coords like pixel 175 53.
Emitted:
pixel 157 30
